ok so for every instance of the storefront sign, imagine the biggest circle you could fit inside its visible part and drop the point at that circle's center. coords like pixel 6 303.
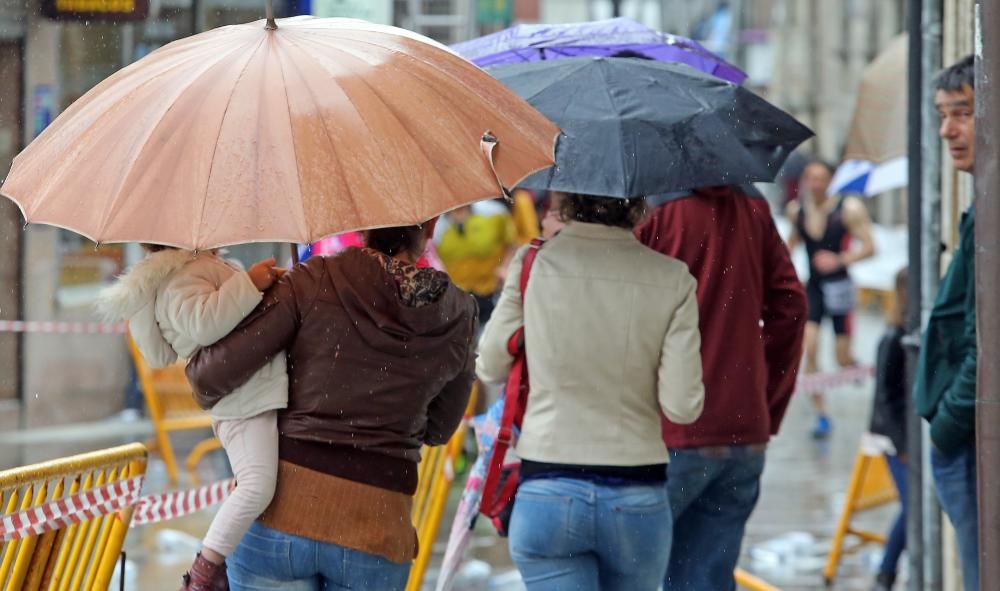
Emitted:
pixel 96 10
pixel 43 108
pixel 494 11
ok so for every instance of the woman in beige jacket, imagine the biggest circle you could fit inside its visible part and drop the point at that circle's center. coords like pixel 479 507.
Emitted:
pixel 611 333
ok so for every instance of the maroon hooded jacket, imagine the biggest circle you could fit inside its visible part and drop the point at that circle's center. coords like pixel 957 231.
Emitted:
pixel 752 312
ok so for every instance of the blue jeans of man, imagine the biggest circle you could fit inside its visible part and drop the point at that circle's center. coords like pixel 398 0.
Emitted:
pixel 269 559
pixel 576 535
pixel 955 481
pixel 896 542
pixel 713 491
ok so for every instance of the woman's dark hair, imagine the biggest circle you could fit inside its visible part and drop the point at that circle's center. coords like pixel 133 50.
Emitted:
pixel 397 239
pixel 609 211
pixel 151 248
pixel 630 53
pixel 958 75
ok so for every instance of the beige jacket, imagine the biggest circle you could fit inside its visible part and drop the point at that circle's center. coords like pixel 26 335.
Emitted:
pixel 611 330
pixel 176 302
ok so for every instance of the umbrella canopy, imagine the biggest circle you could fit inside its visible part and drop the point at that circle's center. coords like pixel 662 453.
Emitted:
pixel 246 134
pixel 634 127
pixel 878 128
pixel 869 179
pixel 875 155
pixel 531 43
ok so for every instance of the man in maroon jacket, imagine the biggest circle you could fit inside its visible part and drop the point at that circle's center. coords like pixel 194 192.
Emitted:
pixel 753 312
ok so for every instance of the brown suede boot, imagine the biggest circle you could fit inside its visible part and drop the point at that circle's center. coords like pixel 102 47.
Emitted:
pixel 205 575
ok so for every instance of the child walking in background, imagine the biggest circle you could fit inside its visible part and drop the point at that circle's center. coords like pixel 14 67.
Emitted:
pixel 175 302
pixel 889 420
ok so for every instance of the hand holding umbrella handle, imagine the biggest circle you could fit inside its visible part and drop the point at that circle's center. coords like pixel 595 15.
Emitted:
pixel 487 144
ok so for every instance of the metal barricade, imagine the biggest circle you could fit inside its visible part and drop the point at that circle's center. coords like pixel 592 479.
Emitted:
pixel 871 486
pixel 81 556
pixel 171 407
pixel 435 478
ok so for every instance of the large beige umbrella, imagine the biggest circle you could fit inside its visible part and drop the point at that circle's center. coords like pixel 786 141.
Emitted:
pixel 878 129
pixel 875 154
pixel 288 134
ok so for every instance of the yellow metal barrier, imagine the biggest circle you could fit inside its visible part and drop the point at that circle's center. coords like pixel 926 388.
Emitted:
pixel 429 502
pixel 886 300
pixel 82 556
pixel 747 581
pixel 871 486
pixel 172 408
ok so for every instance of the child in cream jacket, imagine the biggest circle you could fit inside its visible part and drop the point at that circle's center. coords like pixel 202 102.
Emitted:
pixel 175 302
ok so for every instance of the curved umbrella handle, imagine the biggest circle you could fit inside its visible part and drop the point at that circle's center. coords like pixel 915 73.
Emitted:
pixel 487 144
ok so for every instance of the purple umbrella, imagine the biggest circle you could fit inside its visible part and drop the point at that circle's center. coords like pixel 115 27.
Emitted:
pixel 531 43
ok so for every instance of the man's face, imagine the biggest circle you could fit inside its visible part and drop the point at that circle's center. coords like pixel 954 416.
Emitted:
pixel 958 125
pixel 816 179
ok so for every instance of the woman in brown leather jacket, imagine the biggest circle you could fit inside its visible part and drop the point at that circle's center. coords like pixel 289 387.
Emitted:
pixel 380 363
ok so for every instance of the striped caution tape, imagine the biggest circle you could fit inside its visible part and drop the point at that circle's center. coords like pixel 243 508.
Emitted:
pixel 171 505
pixel 109 499
pixel 53 327
pixel 82 506
pixel 818 382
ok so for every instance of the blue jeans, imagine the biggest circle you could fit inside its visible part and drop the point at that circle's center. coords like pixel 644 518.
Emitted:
pixel 713 491
pixel 896 542
pixel 270 559
pixel 955 480
pixel 576 535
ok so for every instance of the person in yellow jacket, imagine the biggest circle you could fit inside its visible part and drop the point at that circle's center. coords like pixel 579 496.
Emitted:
pixel 475 242
pixel 526 223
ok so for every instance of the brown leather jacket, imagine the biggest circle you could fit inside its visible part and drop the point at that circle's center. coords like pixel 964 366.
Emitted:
pixel 372 379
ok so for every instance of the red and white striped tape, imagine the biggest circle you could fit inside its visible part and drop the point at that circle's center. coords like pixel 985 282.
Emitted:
pixel 112 498
pixel 171 505
pixel 818 382
pixel 89 504
pixel 51 327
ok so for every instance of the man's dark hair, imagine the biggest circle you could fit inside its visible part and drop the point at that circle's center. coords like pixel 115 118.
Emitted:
pixel 608 211
pixel 957 76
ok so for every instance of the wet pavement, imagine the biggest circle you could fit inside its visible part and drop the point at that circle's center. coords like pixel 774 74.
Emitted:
pixel 802 493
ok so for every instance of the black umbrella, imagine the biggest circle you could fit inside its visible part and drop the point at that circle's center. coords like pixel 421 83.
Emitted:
pixel 634 127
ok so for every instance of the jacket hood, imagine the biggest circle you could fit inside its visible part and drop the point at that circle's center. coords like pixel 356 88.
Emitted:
pixel 133 299
pixel 370 297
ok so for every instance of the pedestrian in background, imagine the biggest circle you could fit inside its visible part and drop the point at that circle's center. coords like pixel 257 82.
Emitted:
pixel 826 226
pixel 889 420
pixel 752 312
pixel 474 243
pixel 611 335
pixel 945 392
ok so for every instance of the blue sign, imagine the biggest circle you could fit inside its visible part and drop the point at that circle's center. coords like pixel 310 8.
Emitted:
pixel 43 108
